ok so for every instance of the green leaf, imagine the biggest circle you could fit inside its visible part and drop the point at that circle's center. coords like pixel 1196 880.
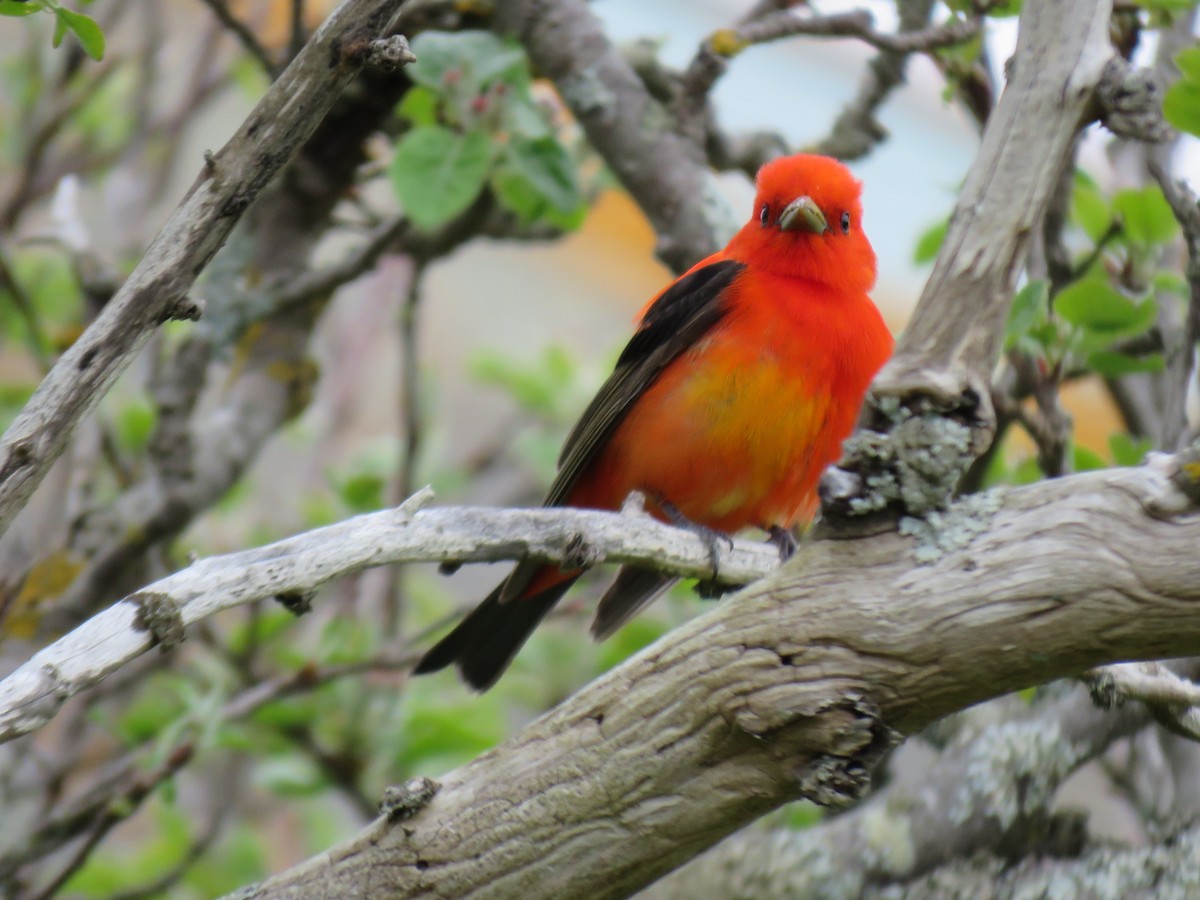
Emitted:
pixel 468 59
pixel 1127 450
pixel 438 173
pixel 523 116
pixel 1026 471
pixel 60 30
pixel 154 708
pixel 85 29
pixel 1166 281
pixel 419 106
pixel 1188 60
pixel 344 640
pixel 1114 364
pixel 536 180
pixel 930 242
pixel 505 62
pixel 1166 5
pixel 134 423
pixel 801 815
pixel 1086 460
pixel 1089 208
pixel 286 713
pixel 362 492
pixel 546 165
pixel 1095 306
pixel 16 9
pixel 290 776
pixel 1146 216
pixel 517 194
pixel 536 385
pixel 1181 105
pixel 1030 308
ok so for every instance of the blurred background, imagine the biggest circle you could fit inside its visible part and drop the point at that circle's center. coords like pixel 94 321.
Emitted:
pixel 466 379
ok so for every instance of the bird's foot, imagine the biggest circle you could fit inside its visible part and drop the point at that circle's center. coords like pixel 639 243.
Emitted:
pixel 711 537
pixel 784 540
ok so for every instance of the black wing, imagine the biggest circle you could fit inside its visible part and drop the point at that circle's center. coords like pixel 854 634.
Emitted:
pixel 681 315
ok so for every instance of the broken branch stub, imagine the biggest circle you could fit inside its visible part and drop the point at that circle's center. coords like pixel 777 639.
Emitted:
pixel 929 413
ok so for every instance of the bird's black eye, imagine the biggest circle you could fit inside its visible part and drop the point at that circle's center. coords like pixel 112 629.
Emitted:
pixel 764 215
pixel 845 223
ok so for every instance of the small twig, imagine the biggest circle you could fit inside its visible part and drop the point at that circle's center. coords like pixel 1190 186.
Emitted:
pixel 321 282
pixel 1049 425
pixel 37 340
pixel 411 439
pixel 1054 255
pixel 861 25
pixel 1186 207
pixel 297 37
pixel 342 767
pixel 856 129
pixel 410 401
pixel 243 34
pixel 45 120
pixel 116 812
pixel 161 885
pixel 712 59
pixel 1114 231
pixel 1174 701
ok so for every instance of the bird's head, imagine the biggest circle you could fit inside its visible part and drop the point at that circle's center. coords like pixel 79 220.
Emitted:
pixel 807 223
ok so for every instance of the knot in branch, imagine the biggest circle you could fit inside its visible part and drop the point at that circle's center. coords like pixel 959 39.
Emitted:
pixel 842 776
pixel 1131 102
pixel 389 54
pixel 158 615
pixel 403 801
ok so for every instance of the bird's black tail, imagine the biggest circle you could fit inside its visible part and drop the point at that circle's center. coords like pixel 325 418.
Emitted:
pixel 631 591
pixel 484 643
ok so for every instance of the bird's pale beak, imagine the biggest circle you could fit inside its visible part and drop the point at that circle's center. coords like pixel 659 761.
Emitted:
pixel 802 214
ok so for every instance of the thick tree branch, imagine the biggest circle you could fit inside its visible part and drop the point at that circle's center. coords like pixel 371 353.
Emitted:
pixel 990 789
pixel 955 331
pixel 297 566
pixel 1166 868
pixel 157 289
pixel 944 359
pixel 790 689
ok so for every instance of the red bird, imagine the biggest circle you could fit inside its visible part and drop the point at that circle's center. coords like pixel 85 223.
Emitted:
pixel 737 389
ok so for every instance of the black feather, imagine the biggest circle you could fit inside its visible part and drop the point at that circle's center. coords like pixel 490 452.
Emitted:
pixel 484 643
pixel 631 591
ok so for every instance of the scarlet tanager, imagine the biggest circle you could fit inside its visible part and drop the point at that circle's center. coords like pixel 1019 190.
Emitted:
pixel 742 380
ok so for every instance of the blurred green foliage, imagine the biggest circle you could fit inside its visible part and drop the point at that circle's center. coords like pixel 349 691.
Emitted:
pixel 66 21
pixel 474 124
pixel 1181 105
pixel 1092 324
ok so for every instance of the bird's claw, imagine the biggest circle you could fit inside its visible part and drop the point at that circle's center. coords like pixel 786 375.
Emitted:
pixel 784 540
pixel 710 537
